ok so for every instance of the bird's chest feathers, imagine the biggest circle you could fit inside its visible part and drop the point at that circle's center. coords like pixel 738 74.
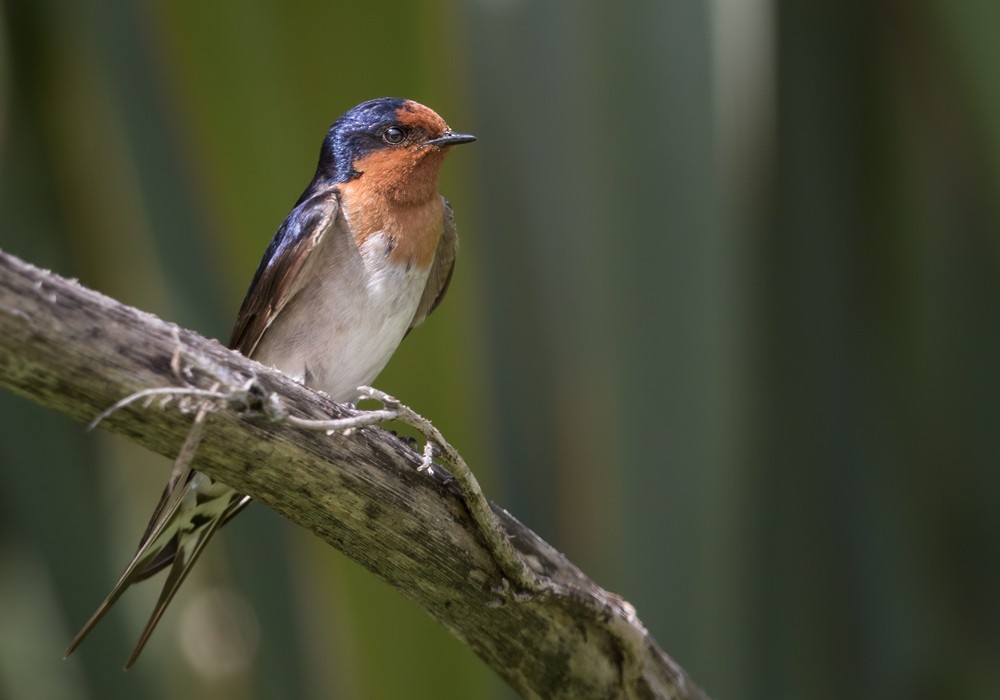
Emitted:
pixel 396 245
pixel 387 230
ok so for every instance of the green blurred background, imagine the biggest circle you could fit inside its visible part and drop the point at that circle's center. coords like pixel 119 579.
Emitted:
pixel 723 328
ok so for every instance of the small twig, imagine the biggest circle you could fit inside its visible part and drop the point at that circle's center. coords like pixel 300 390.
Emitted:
pixel 168 391
pixel 186 454
pixel 362 419
pixel 507 558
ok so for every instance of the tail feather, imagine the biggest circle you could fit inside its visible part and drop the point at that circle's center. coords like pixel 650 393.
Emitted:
pixel 186 556
pixel 190 510
pixel 187 519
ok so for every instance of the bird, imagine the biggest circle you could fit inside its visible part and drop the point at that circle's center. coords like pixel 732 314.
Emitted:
pixel 365 255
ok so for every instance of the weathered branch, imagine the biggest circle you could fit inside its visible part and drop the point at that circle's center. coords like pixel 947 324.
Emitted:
pixel 79 352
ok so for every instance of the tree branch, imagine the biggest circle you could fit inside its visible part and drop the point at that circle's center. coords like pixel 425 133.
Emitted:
pixel 79 352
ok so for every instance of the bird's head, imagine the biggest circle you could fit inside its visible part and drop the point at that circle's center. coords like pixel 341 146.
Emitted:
pixel 394 146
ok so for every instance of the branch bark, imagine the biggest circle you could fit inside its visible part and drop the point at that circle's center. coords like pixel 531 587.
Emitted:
pixel 78 352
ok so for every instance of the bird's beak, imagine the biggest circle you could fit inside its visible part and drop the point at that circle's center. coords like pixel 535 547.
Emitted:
pixel 450 138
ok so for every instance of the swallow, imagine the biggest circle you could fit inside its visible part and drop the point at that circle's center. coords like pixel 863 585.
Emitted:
pixel 365 255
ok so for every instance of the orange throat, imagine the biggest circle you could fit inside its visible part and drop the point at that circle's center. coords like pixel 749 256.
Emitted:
pixel 412 228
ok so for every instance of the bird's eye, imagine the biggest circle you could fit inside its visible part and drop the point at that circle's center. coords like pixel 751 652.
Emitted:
pixel 393 135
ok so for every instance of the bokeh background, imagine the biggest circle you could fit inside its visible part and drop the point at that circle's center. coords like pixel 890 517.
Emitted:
pixel 724 327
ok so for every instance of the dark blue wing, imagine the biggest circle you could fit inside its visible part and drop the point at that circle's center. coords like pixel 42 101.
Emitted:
pixel 276 279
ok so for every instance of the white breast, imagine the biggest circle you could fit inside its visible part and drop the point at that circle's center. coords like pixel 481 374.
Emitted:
pixel 343 326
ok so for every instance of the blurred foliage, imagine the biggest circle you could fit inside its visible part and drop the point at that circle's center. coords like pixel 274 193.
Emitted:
pixel 723 329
